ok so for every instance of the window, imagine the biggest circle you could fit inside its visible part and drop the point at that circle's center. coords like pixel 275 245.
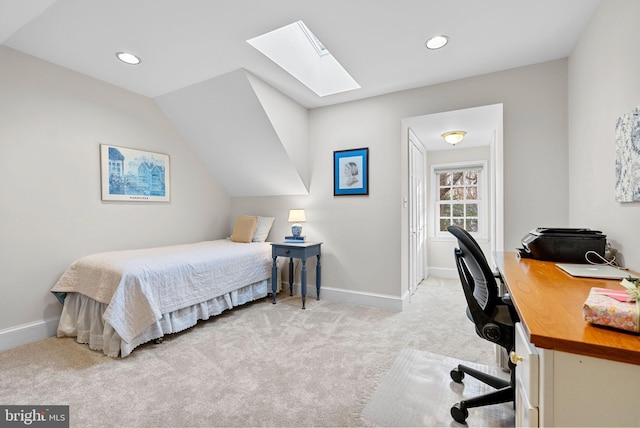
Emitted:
pixel 459 198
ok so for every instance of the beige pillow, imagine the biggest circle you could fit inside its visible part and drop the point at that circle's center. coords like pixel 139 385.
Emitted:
pixel 244 228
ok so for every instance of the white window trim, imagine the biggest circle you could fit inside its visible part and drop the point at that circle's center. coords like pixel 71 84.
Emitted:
pixel 483 192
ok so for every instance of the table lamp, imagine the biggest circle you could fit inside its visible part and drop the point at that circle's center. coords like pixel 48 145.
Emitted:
pixel 296 216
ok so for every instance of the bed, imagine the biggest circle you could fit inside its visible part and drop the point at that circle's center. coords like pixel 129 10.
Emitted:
pixel 116 301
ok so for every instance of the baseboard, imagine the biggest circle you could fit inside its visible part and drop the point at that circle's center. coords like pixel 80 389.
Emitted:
pixel 22 334
pixel 359 298
pixel 374 300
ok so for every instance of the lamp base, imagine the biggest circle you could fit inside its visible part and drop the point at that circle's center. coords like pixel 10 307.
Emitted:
pixel 296 230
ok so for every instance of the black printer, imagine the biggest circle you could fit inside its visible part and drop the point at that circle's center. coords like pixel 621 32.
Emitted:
pixel 562 244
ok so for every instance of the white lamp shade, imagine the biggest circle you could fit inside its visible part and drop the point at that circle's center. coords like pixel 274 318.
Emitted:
pixel 296 216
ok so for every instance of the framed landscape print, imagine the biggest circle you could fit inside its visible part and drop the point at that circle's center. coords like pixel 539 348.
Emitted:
pixel 134 175
pixel 351 172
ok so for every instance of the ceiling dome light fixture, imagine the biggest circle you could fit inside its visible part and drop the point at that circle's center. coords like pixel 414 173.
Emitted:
pixel 437 42
pixel 453 137
pixel 128 58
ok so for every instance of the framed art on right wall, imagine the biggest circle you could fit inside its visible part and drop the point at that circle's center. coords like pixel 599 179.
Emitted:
pixel 628 157
pixel 351 172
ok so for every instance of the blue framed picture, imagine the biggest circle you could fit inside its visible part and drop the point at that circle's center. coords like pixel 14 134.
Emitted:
pixel 351 172
pixel 134 175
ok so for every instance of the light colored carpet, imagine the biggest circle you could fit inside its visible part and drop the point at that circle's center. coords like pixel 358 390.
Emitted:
pixel 418 392
pixel 256 365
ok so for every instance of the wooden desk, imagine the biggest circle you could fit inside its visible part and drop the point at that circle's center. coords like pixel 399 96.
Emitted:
pixel 549 302
pixel 570 373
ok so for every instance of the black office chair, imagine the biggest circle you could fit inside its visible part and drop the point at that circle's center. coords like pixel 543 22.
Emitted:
pixel 493 316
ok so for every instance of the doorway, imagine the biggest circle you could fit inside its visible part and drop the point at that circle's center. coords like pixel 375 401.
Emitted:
pixel 422 253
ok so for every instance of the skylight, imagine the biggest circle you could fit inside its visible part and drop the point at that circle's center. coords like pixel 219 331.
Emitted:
pixel 299 52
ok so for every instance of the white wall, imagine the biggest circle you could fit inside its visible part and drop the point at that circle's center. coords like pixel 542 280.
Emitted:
pixel 52 121
pixel 290 121
pixel 365 246
pixel 604 84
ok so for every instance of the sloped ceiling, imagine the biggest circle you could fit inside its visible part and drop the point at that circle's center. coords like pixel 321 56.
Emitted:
pixel 225 122
pixel 242 137
pixel 380 43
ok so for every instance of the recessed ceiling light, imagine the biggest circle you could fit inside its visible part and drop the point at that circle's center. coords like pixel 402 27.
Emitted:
pixel 128 58
pixel 437 42
pixel 299 52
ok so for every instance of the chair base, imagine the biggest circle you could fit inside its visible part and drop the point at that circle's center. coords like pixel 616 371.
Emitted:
pixel 504 393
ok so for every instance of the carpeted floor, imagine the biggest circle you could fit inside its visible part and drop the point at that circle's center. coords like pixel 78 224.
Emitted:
pixel 256 365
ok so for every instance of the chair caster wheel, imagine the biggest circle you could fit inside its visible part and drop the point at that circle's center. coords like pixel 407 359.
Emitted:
pixel 457 375
pixel 459 413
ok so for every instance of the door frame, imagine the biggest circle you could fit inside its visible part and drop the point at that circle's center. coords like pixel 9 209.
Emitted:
pixel 497 190
pixel 417 211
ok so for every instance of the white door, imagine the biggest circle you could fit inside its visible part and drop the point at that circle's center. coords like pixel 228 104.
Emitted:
pixel 417 212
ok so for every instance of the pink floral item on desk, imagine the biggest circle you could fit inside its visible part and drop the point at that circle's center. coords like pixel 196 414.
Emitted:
pixel 614 308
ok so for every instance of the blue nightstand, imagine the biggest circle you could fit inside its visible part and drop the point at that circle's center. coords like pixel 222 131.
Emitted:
pixel 300 251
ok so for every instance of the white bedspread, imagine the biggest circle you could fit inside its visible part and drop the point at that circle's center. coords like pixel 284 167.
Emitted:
pixel 139 286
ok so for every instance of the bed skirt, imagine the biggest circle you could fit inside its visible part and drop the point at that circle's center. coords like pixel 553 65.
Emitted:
pixel 82 318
